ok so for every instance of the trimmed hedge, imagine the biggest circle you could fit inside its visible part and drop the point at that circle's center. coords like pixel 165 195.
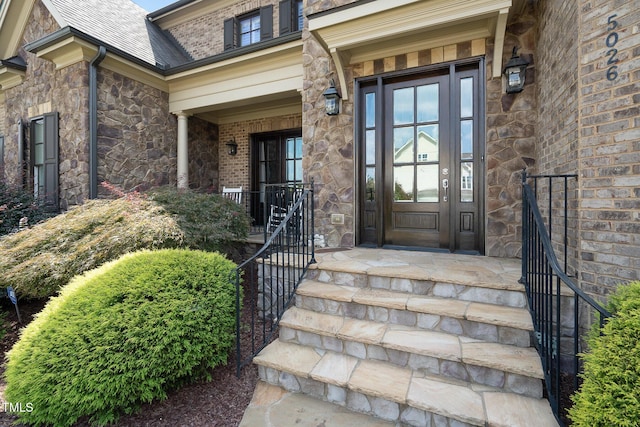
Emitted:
pixel 122 335
pixel 38 261
pixel 609 395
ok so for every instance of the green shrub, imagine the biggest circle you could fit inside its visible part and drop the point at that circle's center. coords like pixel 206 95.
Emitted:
pixel 122 335
pixel 209 221
pixel 17 203
pixel 608 396
pixel 38 261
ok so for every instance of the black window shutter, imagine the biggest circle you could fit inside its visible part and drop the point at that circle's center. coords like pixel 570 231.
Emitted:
pixel 51 173
pixel 285 17
pixel 229 33
pixel 266 22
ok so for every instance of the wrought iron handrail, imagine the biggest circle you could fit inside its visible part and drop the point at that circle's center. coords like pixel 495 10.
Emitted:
pixel 267 281
pixel 550 291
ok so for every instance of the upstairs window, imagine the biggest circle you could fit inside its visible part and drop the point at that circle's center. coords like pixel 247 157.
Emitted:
pixel 291 16
pixel 250 28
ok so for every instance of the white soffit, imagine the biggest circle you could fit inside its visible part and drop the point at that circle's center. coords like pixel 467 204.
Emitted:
pixel 378 29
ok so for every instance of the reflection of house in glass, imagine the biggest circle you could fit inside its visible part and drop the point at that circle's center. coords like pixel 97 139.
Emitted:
pixel 425 169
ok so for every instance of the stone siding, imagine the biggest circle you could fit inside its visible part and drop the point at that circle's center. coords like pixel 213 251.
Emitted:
pixel 204 36
pixel 203 155
pixel 137 135
pixel 510 141
pixel 46 90
pixel 609 152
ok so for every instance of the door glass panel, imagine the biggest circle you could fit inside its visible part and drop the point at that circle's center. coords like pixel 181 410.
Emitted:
pixel 428 147
pixel 428 183
pixel 403 183
pixel 403 106
pixel 370 147
pixel 466 139
pixel 466 97
pixel 466 182
pixel 428 103
pixel 370 186
pixel 403 144
pixel 370 110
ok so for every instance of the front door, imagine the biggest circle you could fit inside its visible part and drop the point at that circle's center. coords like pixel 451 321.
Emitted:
pixel 421 158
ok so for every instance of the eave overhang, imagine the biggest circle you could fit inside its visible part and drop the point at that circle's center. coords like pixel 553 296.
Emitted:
pixel 14 16
pixel 266 78
pixel 377 29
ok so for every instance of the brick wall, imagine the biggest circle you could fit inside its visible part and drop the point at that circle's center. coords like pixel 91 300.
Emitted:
pixel 204 36
pixel 609 152
pixel 235 170
pixel 557 66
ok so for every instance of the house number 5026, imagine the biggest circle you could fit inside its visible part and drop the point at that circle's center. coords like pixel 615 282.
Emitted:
pixel 611 41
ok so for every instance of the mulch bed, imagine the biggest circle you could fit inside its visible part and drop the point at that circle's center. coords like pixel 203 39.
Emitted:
pixel 218 403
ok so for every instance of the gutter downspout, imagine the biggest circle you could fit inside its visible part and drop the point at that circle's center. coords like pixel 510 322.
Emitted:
pixel 93 121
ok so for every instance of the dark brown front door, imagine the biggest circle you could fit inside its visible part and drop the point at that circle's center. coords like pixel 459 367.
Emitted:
pixel 421 153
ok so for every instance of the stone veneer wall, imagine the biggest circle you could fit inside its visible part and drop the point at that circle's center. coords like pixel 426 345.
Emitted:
pixel 510 142
pixel 235 170
pixel 45 90
pixel 203 155
pixel 137 135
pixel 204 36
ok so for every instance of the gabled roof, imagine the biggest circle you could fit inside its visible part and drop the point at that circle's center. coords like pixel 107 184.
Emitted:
pixel 121 24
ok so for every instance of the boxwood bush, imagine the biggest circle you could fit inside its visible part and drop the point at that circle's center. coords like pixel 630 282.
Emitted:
pixel 608 396
pixel 38 261
pixel 122 335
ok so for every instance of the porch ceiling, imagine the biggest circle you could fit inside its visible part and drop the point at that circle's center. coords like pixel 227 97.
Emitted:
pixel 375 30
pixel 265 82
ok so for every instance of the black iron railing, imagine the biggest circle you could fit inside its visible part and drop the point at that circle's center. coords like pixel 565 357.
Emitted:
pixel 559 309
pixel 266 283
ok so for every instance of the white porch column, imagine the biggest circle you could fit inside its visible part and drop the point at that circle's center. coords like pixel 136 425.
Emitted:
pixel 183 150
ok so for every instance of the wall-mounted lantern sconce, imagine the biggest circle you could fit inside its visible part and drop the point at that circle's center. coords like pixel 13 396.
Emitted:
pixel 332 99
pixel 515 71
pixel 232 147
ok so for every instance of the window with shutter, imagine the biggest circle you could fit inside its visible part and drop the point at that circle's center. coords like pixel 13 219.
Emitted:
pixel 291 17
pixel 44 158
pixel 249 28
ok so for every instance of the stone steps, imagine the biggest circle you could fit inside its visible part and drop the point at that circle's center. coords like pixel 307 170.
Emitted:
pixel 511 368
pixel 488 322
pixel 395 393
pixel 412 338
pixel 498 292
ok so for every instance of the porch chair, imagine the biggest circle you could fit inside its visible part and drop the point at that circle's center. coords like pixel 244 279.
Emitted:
pixel 233 193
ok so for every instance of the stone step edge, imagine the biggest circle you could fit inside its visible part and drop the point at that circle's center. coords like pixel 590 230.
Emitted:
pixel 430 393
pixel 456 348
pixel 416 303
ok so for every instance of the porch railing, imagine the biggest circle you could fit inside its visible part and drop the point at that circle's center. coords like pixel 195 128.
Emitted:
pixel 266 283
pixel 556 303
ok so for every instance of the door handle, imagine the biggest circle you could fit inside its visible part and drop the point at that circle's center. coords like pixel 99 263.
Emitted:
pixel 445 189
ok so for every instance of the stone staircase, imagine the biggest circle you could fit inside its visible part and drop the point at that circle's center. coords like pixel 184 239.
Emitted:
pixel 414 338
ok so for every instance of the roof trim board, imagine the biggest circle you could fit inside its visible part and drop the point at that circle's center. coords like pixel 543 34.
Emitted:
pixel 371 29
